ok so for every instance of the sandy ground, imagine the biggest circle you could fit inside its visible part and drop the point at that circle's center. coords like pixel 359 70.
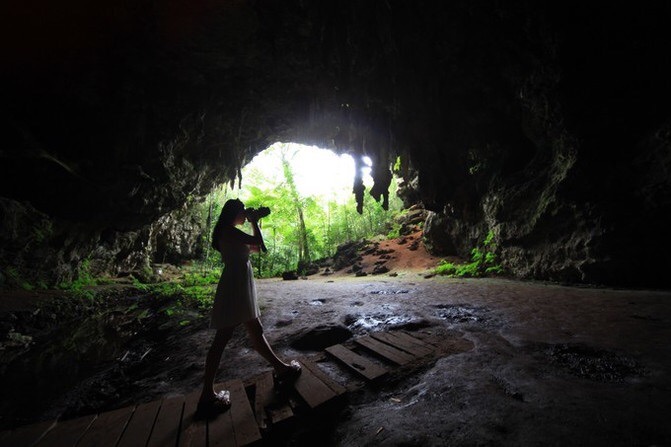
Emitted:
pixel 550 365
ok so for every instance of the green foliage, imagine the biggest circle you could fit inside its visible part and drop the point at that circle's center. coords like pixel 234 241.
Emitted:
pixel 83 282
pixel 483 262
pixel 397 165
pixel 299 227
pixel 194 291
pixel 395 231
pixel 204 278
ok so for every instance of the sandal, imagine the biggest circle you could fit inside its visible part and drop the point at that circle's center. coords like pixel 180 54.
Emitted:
pixel 291 374
pixel 220 403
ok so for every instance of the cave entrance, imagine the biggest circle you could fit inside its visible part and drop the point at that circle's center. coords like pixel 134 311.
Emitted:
pixel 313 209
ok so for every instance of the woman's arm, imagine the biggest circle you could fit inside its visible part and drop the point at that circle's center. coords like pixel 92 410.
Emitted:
pixel 256 232
pixel 254 240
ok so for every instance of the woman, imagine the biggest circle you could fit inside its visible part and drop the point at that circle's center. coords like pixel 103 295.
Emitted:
pixel 235 302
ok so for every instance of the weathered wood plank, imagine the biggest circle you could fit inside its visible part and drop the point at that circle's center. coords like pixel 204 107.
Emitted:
pixel 400 341
pixel 26 435
pixel 263 397
pixel 244 424
pixel 67 433
pixel 193 433
pixel 107 428
pixel 313 391
pixel 268 408
pixel 166 428
pixel 384 350
pixel 316 370
pixel 445 344
pixel 427 339
pixel 220 428
pixel 280 413
pixel 357 363
pixel 424 340
pixel 140 425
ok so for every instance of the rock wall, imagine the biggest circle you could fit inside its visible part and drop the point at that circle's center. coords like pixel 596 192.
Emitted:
pixel 37 250
pixel 546 124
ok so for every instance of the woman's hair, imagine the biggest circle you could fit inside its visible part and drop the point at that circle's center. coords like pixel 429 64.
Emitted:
pixel 228 214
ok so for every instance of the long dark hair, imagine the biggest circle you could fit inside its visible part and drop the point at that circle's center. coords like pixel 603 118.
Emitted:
pixel 228 214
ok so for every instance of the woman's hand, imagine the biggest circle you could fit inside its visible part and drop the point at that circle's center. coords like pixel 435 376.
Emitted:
pixel 252 218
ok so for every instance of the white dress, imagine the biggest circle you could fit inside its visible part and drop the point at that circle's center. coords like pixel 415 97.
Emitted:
pixel 235 299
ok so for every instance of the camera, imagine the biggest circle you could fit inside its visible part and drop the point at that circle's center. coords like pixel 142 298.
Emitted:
pixel 257 213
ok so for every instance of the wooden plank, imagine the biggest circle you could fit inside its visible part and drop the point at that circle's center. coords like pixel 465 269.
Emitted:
pixel 445 344
pixel 27 435
pixel 357 363
pixel 317 372
pixel 400 342
pixel 244 424
pixel 313 391
pixel 427 339
pixel 193 433
pixel 268 409
pixel 67 433
pixel 280 413
pixel 415 341
pixel 140 425
pixel 107 428
pixel 384 350
pixel 220 428
pixel 263 398
pixel 166 428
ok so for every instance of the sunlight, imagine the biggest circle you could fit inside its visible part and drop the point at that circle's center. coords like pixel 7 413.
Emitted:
pixel 318 172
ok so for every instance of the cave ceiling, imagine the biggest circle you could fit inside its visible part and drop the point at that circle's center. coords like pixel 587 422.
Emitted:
pixel 509 113
pixel 118 111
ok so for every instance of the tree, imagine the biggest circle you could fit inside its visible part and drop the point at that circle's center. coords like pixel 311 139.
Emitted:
pixel 297 202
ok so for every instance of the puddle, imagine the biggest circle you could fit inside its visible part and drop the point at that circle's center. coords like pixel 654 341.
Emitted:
pixel 461 314
pixel 594 364
pixel 368 322
pixel 318 302
pixel 388 292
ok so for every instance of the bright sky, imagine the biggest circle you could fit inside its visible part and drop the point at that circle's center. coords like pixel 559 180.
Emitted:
pixel 317 172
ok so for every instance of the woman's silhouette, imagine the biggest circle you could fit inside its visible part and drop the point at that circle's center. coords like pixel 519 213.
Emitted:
pixel 235 301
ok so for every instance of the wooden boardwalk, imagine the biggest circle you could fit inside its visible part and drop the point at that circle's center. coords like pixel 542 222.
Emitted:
pixel 256 405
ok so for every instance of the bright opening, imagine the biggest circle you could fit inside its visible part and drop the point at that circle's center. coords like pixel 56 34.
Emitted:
pixel 318 173
pixel 313 209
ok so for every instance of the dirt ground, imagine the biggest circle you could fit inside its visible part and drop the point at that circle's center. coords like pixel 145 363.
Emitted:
pixel 550 365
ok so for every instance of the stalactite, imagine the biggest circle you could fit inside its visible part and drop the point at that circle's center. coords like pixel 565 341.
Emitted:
pixel 381 174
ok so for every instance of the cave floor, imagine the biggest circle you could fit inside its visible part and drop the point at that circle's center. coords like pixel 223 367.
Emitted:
pixel 550 365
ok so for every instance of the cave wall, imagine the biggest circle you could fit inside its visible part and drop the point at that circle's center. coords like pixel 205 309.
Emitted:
pixel 546 124
pixel 41 251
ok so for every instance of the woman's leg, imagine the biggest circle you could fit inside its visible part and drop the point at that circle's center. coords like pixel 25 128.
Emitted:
pixel 212 361
pixel 261 345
